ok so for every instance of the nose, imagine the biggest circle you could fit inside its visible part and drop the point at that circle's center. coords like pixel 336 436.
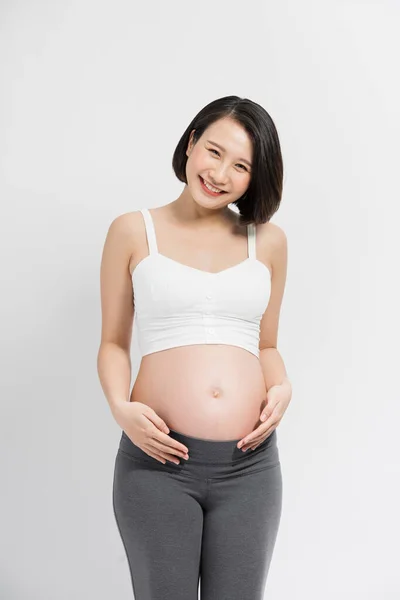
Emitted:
pixel 219 176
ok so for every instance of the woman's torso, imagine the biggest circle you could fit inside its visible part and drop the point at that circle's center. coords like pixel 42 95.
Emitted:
pixel 209 391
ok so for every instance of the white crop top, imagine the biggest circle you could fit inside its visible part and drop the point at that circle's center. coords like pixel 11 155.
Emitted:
pixel 179 305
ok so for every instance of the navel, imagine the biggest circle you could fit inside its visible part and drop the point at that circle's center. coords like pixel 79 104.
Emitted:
pixel 216 392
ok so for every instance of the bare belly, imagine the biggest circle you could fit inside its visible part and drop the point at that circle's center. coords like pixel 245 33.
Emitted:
pixel 214 392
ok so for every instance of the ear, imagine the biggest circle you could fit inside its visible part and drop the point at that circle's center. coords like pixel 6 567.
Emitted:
pixel 190 143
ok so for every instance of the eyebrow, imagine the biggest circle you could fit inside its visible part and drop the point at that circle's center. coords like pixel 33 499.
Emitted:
pixel 223 150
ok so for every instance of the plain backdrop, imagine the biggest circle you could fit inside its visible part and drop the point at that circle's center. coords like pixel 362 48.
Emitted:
pixel 94 97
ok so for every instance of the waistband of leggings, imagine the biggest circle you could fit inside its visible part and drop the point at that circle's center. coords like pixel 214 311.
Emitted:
pixel 216 451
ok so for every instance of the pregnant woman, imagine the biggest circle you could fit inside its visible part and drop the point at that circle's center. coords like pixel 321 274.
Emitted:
pixel 197 490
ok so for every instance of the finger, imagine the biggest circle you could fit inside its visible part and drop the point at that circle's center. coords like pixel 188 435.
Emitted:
pixel 254 435
pixel 173 447
pixel 267 434
pixel 263 430
pixel 256 446
pixel 170 457
pixel 253 443
pixel 170 450
pixel 249 445
pixel 167 440
pixel 159 454
pixel 272 420
pixel 153 455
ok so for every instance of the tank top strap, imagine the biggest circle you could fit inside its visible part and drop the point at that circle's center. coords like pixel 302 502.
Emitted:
pixel 251 240
pixel 150 231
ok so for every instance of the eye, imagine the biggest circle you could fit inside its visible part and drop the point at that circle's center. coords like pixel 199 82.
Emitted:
pixel 216 151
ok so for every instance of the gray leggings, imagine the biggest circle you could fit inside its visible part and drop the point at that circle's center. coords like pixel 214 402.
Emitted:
pixel 213 518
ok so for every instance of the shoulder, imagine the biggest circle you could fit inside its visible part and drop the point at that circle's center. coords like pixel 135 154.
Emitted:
pixel 125 233
pixel 273 232
pixel 273 243
pixel 127 223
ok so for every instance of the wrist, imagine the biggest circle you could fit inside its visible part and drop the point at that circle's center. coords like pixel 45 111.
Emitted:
pixel 286 382
pixel 117 405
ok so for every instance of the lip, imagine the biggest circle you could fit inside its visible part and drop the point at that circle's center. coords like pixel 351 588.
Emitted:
pixel 209 191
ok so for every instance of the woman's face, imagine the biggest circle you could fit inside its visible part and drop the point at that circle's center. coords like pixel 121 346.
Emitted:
pixel 222 157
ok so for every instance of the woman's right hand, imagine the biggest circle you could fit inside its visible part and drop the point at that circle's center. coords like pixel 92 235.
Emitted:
pixel 147 430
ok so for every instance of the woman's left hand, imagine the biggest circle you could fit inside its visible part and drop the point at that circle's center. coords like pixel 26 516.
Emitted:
pixel 278 399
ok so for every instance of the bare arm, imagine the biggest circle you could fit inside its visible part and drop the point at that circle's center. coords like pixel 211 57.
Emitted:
pixel 272 364
pixel 144 427
pixel 113 359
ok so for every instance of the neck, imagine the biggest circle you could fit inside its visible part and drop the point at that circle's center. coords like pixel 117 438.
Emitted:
pixel 186 209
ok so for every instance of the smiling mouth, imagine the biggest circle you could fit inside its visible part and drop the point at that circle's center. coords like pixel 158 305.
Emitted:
pixel 210 191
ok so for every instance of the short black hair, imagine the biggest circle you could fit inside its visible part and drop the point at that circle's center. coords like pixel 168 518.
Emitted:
pixel 263 195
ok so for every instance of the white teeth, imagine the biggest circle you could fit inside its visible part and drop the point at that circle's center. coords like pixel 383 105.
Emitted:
pixel 210 187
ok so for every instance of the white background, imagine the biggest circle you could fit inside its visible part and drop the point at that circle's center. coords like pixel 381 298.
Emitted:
pixel 94 98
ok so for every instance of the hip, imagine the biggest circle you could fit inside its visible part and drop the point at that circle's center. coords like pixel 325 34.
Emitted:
pixel 208 459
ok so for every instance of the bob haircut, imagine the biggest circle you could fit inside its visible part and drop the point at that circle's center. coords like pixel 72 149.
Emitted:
pixel 263 195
